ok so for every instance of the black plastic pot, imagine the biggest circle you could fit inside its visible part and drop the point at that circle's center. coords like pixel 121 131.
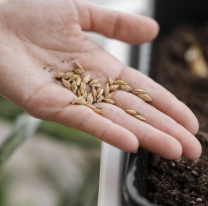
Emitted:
pixel 168 14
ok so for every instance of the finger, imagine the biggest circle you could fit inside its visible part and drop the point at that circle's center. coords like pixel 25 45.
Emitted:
pixel 191 146
pixel 133 29
pixel 149 138
pixel 84 119
pixel 53 103
pixel 162 99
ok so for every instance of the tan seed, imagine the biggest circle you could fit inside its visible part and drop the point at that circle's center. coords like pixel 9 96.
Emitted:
pixel 110 81
pixel 100 99
pixel 59 75
pixel 107 89
pixel 96 85
pixel 80 101
pixel 98 111
pixel 94 93
pixel 78 71
pixel 82 87
pixel 131 112
pixel 79 93
pixel 78 80
pixel 91 106
pixel 94 81
pixel 145 97
pixel 119 82
pixel 66 83
pixel 139 91
pixel 110 101
pixel 67 75
pixel 139 117
pixel 125 88
pixel 74 87
pixel 90 98
pixel 100 93
pixel 85 95
pixel 86 79
pixel 109 96
pixel 98 89
pixel 78 66
pixel 114 87
pixel 73 76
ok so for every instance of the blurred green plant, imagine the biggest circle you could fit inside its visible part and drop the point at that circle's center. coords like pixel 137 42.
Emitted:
pixel 24 127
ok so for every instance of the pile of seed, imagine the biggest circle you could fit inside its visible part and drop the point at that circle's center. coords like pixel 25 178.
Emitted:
pixel 74 82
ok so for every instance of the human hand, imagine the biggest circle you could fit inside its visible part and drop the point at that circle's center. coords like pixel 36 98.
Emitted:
pixel 36 34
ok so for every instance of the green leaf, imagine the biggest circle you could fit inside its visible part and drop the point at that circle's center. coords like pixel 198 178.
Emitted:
pixel 24 127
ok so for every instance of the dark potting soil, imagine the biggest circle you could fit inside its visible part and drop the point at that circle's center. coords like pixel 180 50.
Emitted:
pixel 181 183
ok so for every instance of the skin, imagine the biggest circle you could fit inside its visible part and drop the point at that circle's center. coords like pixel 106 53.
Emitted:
pixel 35 34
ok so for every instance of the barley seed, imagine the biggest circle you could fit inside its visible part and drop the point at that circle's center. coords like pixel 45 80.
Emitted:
pixel 67 75
pixel 98 89
pixel 100 93
pixel 80 101
pixel 78 80
pixel 94 81
pixel 139 117
pixel 139 91
pixel 114 87
pixel 78 66
pixel 100 99
pixel 107 89
pixel 91 106
pixel 85 95
pixel 58 75
pixel 94 93
pixel 73 77
pixel 79 93
pixel 125 88
pixel 98 111
pixel 96 85
pixel 110 81
pixel 66 83
pixel 90 98
pixel 145 97
pixel 74 87
pixel 131 112
pixel 82 87
pixel 119 82
pixel 109 96
pixel 86 79
pixel 110 101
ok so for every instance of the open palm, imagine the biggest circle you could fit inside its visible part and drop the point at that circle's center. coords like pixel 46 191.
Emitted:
pixel 39 38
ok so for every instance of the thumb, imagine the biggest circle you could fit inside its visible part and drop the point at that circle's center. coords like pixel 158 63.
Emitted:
pixel 130 28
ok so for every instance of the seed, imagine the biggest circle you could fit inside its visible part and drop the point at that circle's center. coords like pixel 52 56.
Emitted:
pixel 73 76
pixel 139 91
pixel 145 97
pixel 66 83
pixel 131 112
pixel 94 81
pixel 98 89
pixel 80 101
pixel 78 66
pixel 125 88
pixel 85 95
pixel 100 93
pixel 139 117
pixel 96 85
pixel 114 87
pixel 195 173
pixel 74 86
pixel 78 80
pixel 119 82
pixel 98 111
pixel 67 75
pixel 100 99
pixel 109 96
pixel 78 71
pixel 79 93
pixel 110 81
pixel 58 75
pixel 110 101
pixel 94 93
pixel 82 87
pixel 91 106
pixel 90 98
pixel 107 89
pixel 199 199
pixel 86 79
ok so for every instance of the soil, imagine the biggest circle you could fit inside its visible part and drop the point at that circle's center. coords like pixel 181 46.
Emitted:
pixel 181 183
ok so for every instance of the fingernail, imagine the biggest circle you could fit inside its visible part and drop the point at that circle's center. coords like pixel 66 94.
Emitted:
pixel 195 161
pixel 178 160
